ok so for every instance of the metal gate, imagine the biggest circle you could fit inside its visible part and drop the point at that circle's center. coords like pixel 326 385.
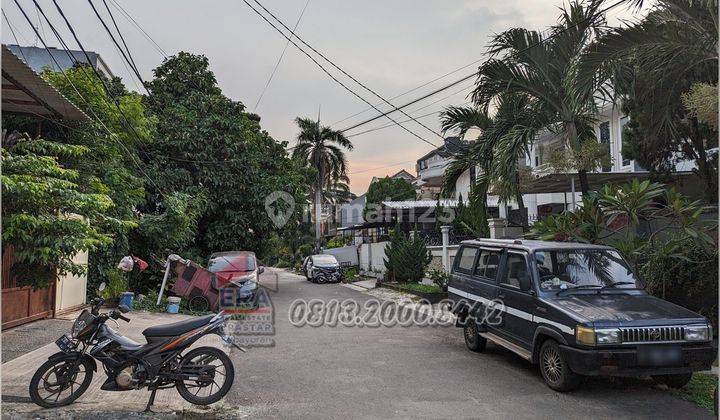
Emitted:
pixel 22 304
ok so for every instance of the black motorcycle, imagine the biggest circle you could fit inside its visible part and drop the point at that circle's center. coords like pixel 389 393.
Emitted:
pixel 202 375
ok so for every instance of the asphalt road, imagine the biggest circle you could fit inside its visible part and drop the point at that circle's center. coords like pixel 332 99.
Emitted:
pixel 352 372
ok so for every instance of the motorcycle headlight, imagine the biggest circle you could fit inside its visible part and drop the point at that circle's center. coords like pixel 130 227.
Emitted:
pixel 698 333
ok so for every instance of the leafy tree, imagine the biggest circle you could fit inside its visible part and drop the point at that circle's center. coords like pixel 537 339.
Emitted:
pixel 216 154
pixel 543 69
pixel 654 66
pixel 406 258
pixel 46 217
pixel 116 138
pixel 388 189
pixel 321 147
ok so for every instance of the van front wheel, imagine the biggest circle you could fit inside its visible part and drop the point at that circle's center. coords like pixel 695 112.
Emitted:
pixel 555 370
pixel 473 340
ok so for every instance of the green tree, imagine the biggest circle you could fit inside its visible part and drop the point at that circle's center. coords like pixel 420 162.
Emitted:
pixel 653 64
pixel 387 189
pixel 321 148
pixel 544 69
pixel 46 216
pixel 115 167
pixel 208 148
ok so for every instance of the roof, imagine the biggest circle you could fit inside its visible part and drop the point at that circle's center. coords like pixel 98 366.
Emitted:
pixel 531 245
pixel 561 182
pixel 413 204
pixel 451 147
pixel 402 173
pixel 25 92
pixel 39 58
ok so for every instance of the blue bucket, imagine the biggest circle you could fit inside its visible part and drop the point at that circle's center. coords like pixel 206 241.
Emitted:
pixel 126 298
pixel 173 305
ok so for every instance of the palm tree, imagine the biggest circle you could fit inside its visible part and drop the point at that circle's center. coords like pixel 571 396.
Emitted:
pixel 321 148
pixel 653 64
pixel 506 138
pixel 544 68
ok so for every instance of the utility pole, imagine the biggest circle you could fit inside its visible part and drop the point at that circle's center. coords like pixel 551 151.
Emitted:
pixel 318 193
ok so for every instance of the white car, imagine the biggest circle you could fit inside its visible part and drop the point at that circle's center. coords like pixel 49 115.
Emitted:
pixel 322 268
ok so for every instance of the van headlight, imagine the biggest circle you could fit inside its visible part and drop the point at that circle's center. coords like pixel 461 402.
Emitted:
pixel 698 333
pixel 590 336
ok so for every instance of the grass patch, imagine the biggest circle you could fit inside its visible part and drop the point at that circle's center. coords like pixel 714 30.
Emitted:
pixel 418 287
pixel 700 390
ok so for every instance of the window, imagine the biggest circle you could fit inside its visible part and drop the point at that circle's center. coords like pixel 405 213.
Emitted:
pixel 487 265
pixel 466 259
pixel 586 268
pixel 516 270
pixel 537 161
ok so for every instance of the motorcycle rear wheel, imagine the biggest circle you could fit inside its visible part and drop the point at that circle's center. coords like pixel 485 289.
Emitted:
pixel 55 377
pixel 190 390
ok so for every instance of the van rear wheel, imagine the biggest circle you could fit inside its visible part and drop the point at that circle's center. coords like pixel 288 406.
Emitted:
pixel 555 370
pixel 473 340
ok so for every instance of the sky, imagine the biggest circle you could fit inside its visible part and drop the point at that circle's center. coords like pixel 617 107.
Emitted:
pixel 392 46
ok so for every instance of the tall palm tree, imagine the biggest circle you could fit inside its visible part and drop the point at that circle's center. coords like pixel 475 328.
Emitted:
pixel 652 64
pixel 321 148
pixel 477 153
pixel 505 139
pixel 544 68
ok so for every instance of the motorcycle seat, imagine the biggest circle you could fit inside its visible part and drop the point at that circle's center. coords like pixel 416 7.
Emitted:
pixel 177 328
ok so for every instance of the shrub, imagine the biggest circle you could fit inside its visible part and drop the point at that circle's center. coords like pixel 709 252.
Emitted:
pixel 116 284
pixel 439 277
pixel 338 241
pixel 407 258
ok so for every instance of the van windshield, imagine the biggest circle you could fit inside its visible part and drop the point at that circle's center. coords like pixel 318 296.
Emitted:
pixel 585 268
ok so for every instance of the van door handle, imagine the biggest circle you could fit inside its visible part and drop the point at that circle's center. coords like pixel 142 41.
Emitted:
pixel 501 295
pixel 541 309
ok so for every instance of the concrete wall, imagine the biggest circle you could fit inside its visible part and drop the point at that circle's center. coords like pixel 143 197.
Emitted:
pixel 436 252
pixel 346 255
pixel 71 290
pixel 372 257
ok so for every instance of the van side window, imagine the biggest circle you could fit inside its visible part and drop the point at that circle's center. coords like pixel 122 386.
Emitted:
pixel 516 270
pixel 466 259
pixel 488 263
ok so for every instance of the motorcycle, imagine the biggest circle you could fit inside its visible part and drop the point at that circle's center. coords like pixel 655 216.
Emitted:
pixel 201 376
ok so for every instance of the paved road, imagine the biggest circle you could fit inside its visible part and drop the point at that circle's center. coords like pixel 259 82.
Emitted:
pixel 414 372
pixel 351 372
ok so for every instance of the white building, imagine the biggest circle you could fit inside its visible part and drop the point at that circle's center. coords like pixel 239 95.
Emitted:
pixel 557 193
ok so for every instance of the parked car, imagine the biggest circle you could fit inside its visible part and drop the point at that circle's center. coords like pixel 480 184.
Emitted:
pixel 574 309
pixel 322 268
pixel 239 269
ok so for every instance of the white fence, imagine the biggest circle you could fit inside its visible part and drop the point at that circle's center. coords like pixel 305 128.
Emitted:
pixel 346 255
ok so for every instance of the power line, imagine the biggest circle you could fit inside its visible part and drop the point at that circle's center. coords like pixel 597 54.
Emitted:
pixel 469 76
pixel 382 167
pixel 137 25
pixel 344 72
pixel 52 27
pixel 414 101
pixel 282 54
pixel 330 74
pixel 122 38
pixel 112 37
pixel 411 90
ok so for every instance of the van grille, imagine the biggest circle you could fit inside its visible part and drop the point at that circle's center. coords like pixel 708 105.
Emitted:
pixel 652 334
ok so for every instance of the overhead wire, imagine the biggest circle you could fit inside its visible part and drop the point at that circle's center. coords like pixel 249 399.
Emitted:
pixel 335 79
pixel 341 70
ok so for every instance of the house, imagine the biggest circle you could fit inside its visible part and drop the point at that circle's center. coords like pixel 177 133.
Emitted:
pixel 430 167
pixel 552 192
pixel 24 92
pixel 38 58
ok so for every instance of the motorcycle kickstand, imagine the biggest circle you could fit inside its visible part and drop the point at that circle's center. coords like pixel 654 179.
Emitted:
pixel 150 402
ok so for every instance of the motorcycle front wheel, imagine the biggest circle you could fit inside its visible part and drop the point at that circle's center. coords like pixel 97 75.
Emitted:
pixel 60 382
pixel 215 375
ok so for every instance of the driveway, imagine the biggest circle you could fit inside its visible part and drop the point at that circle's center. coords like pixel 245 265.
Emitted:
pixel 334 372
pixel 359 372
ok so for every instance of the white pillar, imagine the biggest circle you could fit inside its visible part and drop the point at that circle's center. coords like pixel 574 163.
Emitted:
pixel 445 243
pixel 572 189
